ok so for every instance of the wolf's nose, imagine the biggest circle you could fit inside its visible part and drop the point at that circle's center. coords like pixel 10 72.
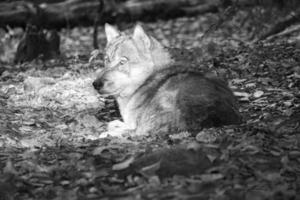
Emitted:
pixel 98 84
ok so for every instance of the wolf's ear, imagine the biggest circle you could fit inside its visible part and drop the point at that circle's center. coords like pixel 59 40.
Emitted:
pixel 140 36
pixel 111 32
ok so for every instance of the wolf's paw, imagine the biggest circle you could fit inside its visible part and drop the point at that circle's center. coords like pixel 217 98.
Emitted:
pixel 116 128
pixel 208 135
pixel 116 124
pixel 112 134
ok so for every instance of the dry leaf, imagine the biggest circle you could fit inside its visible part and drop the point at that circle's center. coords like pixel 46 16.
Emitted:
pixel 123 165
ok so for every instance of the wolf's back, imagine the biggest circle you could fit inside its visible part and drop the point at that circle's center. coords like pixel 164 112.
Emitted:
pixel 182 99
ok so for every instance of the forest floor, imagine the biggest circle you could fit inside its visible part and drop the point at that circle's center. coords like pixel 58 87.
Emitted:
pixel 51 121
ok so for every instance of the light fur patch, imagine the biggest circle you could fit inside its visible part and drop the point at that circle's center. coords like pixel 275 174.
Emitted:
pixel 168 100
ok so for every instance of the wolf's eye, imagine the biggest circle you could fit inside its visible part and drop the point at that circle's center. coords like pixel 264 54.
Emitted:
pixel 123 60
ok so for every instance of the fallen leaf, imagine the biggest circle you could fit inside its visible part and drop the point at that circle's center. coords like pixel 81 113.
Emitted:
pixel 211 177
pixel 243 96
pixel 150 170
pixel 123 165
pixel 9 168
pixel 99 150
pixel 258 93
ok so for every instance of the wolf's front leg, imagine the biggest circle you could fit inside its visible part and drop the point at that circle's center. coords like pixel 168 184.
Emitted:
pixel 117 128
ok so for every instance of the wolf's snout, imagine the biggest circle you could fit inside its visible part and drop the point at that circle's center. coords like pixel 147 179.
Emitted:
pixel 98 84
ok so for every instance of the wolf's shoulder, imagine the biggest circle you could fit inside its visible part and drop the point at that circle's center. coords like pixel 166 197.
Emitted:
pixel 185 79
pixel 183 72
pixel 178 71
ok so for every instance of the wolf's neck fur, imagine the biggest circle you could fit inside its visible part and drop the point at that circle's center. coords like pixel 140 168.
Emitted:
pixel 161 59
pixel 158 58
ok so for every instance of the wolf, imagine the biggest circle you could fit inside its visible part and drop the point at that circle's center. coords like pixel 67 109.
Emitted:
pixel 157 95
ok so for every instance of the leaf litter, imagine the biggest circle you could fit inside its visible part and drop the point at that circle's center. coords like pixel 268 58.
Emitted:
pixel 51 120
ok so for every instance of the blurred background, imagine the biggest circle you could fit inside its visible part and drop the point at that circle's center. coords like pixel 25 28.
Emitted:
pixel 57 26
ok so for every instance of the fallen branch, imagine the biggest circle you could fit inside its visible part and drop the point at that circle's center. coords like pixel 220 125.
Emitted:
pixel 76 12
pixel 286 33
pixel 290 20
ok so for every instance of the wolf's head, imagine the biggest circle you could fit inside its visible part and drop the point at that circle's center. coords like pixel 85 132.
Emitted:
pixel 129 61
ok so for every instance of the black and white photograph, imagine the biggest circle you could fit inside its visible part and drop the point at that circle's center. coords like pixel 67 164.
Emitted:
pixel 150 100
